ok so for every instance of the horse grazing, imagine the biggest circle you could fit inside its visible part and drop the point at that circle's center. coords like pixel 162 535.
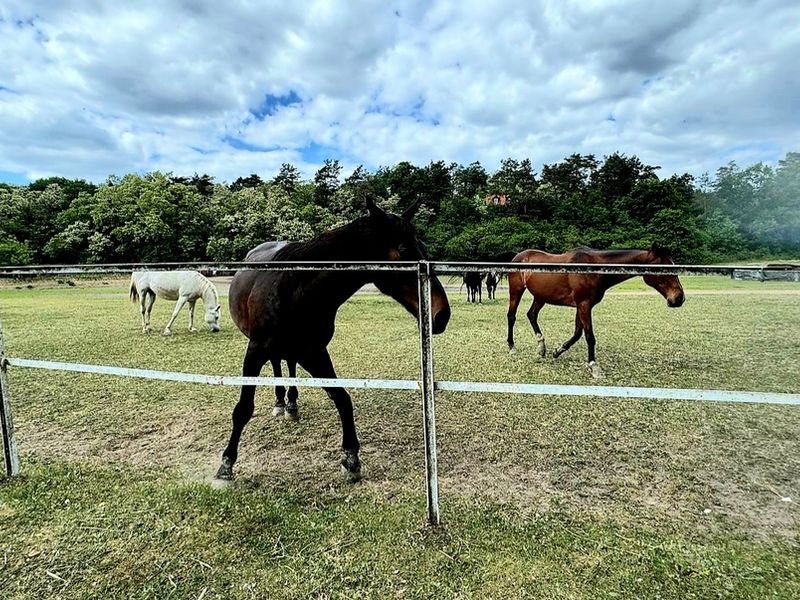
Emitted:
pixel 473 279
pixel 582 290
pixel 184 286
pixel 289 315
pixel 491 284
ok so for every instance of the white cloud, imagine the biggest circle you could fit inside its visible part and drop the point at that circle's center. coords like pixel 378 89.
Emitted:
pixel 89 89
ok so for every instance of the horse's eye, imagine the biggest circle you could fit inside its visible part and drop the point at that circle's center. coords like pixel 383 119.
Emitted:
pixel 401 248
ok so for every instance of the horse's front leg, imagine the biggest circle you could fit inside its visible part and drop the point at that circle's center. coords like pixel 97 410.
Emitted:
pixel 319 364
pixel 575 336
pixel 192 328
pixel 178 306
pixel 585 313
pixel 254 360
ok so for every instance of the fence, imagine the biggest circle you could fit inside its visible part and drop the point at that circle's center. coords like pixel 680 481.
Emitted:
pixel 426 383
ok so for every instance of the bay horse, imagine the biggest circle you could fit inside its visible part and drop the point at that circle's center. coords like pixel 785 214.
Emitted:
pixel 582 290
pixel 290 315
pixel 185 287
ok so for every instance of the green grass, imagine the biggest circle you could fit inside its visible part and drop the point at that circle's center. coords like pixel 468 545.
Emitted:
pixel 543 497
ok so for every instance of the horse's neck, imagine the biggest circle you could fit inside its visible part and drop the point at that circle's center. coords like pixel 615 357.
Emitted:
pixel 344 244
pixel 635 257
pixel 209 293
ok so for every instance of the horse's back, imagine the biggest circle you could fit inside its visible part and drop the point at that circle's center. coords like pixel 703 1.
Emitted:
pixel 553 288
pixel 243 283
pixel 170 285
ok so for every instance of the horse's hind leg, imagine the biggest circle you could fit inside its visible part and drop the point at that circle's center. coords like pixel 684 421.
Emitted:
pixel 292 411
pixel 575 337
pixel 143 310
pixel 280 391
pixel 533 317
pixel 585 313
pixel 515 290
pixel 151 299
pixel 254 359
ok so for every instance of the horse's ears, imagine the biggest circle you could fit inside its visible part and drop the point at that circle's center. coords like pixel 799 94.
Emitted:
pixel 658 249
pixel 408 213
pixel 374 210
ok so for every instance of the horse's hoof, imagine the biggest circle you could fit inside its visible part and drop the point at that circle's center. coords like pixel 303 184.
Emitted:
pixel 351 466
pixel 542 350
pixel 597 372
pixel 292 415
pixel 277 411
pixel 167 333
pixel 512 350
pixel 194 330
pixel 225 471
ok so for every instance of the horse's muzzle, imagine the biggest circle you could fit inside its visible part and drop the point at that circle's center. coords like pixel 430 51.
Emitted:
pixel 440 320
pixel 676 302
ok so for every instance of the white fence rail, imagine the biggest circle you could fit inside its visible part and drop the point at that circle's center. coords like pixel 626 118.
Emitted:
pixel 427 382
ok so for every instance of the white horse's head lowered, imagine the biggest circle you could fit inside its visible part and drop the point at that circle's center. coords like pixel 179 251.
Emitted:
pixel 212 316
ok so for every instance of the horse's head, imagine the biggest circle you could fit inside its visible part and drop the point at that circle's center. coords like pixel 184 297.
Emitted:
pixel 668 286
pixel 212 317
pixel 395 238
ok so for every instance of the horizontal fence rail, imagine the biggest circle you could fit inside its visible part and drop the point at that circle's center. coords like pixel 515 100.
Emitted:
pixel 414 385
pixel 427 384
pixel 234 380
pixel 451 268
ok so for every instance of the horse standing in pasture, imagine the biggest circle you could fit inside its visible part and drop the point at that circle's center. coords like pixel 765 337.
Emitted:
pixel 582 290
pixel 290 315
pixel 491 284
pixel 473 279
pixel 184 286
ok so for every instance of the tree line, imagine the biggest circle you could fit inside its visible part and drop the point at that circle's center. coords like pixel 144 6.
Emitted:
pixel 615 202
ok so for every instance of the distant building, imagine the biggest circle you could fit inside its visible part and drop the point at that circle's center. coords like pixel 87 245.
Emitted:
pixel 497 199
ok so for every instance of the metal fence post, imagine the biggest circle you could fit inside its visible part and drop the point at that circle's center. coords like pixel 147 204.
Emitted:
pixel 11 459
pixel 428 401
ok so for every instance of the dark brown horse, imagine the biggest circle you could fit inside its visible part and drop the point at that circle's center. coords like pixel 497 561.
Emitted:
pixel 473 279
pixel 289 315
pixel 582 290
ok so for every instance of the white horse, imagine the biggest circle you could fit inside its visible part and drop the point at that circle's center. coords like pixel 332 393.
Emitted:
pixel 183 286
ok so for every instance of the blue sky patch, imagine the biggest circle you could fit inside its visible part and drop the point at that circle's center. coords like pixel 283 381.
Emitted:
pixel 240 144
pixel 318 153
pixel 13 178
pixel 273 104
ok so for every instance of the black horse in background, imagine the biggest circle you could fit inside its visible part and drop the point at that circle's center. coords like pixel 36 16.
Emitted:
pixel 491 284
pixel 290 315
pixel 473 280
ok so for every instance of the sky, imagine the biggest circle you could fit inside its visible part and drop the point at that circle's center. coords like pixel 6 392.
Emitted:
pixel 90 88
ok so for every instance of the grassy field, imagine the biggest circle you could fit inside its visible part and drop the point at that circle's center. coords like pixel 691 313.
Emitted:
pixel 542 497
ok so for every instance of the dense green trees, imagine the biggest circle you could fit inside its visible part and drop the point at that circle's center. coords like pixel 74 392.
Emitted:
pixel 614 202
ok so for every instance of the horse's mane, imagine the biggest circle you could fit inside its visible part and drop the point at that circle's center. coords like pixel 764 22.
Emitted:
pixel 321 247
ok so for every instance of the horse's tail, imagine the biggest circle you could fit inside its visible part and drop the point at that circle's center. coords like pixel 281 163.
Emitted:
pixel 134 291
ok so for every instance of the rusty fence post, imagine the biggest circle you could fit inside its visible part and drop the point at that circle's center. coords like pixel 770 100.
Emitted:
pixel 427 381
pixel 10 458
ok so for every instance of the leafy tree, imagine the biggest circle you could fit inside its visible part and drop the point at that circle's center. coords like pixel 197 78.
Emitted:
pixel 326 182
pixel 253 181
